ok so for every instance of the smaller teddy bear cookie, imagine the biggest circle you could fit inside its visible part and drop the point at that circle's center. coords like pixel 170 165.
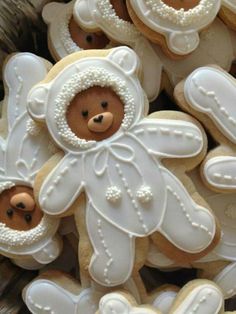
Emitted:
pixel 27 235
pixel 94 108
pixel 111 17
pixel 208 93
pixel 228 13
pixel 173 24
pixel 64 34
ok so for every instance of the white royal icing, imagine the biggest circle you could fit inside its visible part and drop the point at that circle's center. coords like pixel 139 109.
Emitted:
pixel 230 4
pixel 94 14
pixel 205 298
pixel 24 153
pixel 208 52
pixel 179 27
pixel 212 91
pixel 226 280
pixel 117 303
pixel 129 162
pixel 164 301
pixel 58 16
pixel 46 296
pixel 220 172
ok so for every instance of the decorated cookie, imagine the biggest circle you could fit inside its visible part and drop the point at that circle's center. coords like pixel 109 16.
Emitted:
pixel 219 264
pixel 173 24
pixel 94 108
pixel 28 236
pixel 208 93
pixel 65 35
pixel 57 292
pixel 208 52
pixel 228 13
pixel 111 17
pixel 199 296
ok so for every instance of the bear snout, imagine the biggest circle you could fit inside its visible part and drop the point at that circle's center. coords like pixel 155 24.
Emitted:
pixel 101 122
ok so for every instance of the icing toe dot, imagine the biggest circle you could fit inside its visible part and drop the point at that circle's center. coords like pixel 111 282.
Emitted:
pixel 113 194
pixel 144 194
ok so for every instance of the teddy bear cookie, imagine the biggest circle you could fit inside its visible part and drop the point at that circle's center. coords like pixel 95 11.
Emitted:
pixel 94 108
pixel 228 13
pixel 64 34
pixel 112 18
pixel 173 24
pixel 28 236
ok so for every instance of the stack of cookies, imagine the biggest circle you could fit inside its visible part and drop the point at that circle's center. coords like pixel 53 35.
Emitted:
pixel 83 163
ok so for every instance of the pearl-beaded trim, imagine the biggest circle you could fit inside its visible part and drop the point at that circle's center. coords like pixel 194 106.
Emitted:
pixel 80 82
pixel 108 14
pixel 16 238
pixel 180 17
pixel 7 185
pixel 65 37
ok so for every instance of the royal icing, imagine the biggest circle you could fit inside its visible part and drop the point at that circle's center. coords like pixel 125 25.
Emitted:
pixel 122 167
pixel 219 172
pixel 101 14
pixel 226 280
pixel 117 303
pixel 208 52
pixel 230 4
pixel 46 296
pixel 179 27
pixel 205 298
pixel 212 91
pixel 23 153
pixel 58 17
pixel 164 301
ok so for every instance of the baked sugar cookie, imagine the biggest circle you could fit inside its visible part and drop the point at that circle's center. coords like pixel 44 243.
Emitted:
pixel 28 236
pixel 174 25
pixel 228 13
pixel 94 108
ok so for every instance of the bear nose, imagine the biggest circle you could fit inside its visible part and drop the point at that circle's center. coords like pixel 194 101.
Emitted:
pixel 98 119
pixel 23 201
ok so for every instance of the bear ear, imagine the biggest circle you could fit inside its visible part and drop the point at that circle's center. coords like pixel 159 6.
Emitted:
pixel 37 101
pixel 126 59
pixel 82 14
pixel 116 301
pixel 50 11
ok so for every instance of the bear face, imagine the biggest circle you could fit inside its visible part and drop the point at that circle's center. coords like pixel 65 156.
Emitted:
pixel 121 9
pixel 95 114
pixel 18 208
pixel 87 40
pixel 181 4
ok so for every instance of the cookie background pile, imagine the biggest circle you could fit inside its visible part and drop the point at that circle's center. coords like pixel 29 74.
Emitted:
pixel 117 156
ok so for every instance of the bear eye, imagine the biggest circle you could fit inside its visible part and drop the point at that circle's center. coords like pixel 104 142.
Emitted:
pixel 104 104
pixel 89 38
pixel 9 212
pixel 28 218
pixel 84 113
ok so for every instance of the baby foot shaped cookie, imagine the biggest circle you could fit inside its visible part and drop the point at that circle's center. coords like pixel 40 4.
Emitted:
pixel 64 34
pixel 173 24
pixel 111 17
pixel 208 93
pixel 28 236
pixel 228 13
pixel 94 109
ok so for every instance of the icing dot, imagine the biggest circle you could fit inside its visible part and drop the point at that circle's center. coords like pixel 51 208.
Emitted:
pixel 144 194
pixel 113 194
